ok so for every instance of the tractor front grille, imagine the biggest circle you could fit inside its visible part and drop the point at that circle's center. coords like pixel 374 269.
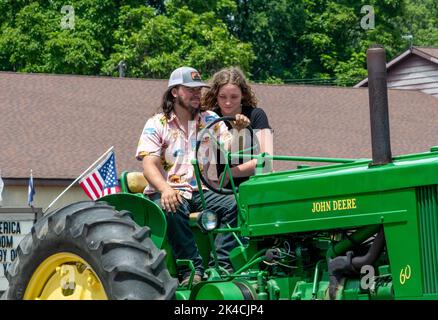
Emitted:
pixel 427 198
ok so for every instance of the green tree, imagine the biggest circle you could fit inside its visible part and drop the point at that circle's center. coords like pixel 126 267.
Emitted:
pixel 154 44
pixel 314 39
pixel 35 41
pixel 421 21
pixel 296 41
pixel 273 28
pixel 153 37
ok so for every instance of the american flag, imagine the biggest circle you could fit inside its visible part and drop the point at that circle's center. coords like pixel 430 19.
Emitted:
pixel 102 180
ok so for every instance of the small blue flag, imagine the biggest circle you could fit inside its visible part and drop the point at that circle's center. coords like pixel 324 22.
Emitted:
pixel 30 190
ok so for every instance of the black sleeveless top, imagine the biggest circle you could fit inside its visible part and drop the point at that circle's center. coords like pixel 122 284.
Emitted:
pixel 258 120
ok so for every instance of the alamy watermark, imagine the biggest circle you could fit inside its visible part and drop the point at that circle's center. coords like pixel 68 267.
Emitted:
pixel 213 143
pixel 367 21
pixel 68 20
pixel 242 142
pixel 367 279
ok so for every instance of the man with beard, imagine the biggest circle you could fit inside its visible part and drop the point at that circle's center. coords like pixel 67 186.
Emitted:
pixel 166 148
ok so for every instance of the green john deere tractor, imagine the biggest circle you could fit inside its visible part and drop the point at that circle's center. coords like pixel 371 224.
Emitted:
pixel 355 229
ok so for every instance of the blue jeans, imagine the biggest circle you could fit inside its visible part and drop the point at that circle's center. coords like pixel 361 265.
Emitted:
pixel 180 234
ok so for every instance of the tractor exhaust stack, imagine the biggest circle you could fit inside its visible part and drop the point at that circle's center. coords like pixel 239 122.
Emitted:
pixel 378 97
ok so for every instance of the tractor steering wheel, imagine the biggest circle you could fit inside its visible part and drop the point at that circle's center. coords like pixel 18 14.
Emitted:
pixel 221 189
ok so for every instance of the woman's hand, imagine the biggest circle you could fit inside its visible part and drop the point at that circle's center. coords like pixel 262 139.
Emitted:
pixel 241 122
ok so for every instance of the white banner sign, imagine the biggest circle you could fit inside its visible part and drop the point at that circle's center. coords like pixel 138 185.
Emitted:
pixel 13 228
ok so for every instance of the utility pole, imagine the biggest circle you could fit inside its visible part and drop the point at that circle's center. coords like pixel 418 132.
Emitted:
pixel 409 37
pixel 122 67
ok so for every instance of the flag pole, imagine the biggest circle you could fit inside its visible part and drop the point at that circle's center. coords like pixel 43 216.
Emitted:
pixel 78 178
pixel 2 184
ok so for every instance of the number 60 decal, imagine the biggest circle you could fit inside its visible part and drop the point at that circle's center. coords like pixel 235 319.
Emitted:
pixel 405 274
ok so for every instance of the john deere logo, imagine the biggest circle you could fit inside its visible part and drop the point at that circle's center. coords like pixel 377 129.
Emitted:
pixel 334 205
pixel 196 76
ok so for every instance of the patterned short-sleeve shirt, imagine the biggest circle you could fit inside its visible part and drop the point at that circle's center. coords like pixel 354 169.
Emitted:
pixel 166 138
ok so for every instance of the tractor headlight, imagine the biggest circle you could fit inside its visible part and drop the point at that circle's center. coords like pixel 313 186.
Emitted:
pixel 208 220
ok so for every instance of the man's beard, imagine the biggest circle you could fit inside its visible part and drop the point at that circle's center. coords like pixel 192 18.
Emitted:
pixel 193 111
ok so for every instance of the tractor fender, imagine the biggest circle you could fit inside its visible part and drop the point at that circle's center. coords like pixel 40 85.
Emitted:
pixel 144 212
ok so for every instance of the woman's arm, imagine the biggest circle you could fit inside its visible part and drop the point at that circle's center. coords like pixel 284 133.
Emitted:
pixel 265 138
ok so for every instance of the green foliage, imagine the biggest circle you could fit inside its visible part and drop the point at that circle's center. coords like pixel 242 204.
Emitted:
pixel 153 45
pixel 273 80
pixel 421 21
pixel 352 71
pixel 273 28
pixel 151 39
pixel 35 41
pixel 272 41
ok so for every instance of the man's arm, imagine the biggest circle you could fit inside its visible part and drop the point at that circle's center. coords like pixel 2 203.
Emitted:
pixel 170 198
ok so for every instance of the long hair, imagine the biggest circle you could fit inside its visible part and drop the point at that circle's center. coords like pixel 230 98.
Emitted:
pixel 231 75
pixel 168 102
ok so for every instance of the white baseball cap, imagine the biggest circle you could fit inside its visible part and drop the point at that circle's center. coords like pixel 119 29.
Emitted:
pixel 186 76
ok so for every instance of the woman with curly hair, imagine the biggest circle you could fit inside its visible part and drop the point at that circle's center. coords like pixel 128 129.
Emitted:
pixel 230 95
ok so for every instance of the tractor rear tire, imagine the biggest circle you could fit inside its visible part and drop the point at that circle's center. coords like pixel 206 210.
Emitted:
pixel 119 253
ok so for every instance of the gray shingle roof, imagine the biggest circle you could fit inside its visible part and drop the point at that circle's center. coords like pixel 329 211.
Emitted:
pixel 428 53
pixel 58 125
pixel 433 52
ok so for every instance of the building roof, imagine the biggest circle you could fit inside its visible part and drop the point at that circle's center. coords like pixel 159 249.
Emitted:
pixel 58 125
pixel 428 53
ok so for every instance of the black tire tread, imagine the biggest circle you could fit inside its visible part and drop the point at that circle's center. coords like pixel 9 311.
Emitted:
pixel 120 252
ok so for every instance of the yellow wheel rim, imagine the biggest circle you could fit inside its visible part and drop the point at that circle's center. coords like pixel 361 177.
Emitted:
pixel 64 276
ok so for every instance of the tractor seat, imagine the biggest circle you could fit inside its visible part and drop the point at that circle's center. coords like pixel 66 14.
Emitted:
pixel 136 182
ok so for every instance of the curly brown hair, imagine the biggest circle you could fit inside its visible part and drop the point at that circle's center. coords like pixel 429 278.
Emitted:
pixel 231 75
